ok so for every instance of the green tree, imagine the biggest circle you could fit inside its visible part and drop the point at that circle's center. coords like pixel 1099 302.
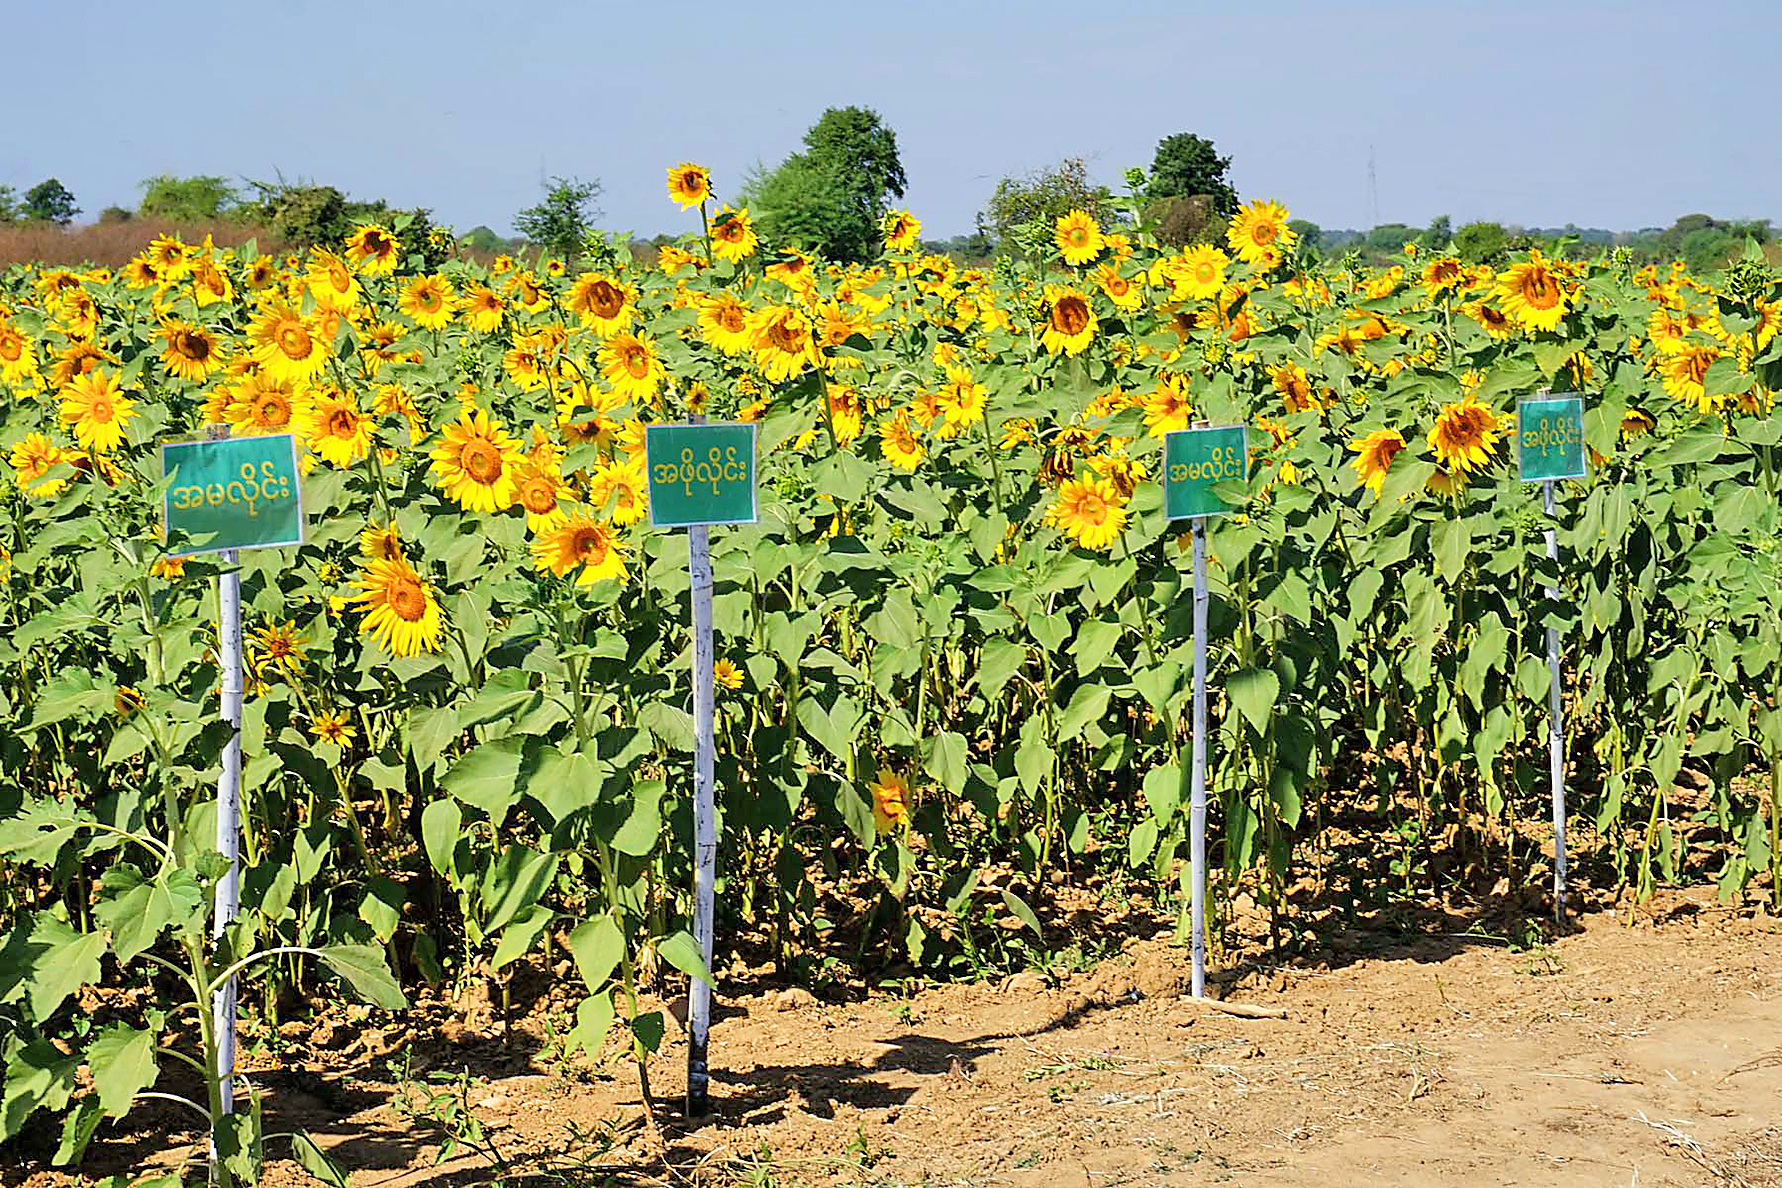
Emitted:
pixel 1439 234
pixel 1480 243
pixel 1188 166
pixel 1311 235
pixel 562 221
pixel 10 211
pixel 188 199
pixel 1021 214
pixel 832 197
pixel 50 202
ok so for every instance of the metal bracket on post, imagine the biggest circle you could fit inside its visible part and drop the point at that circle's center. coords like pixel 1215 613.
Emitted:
pixel 1556 724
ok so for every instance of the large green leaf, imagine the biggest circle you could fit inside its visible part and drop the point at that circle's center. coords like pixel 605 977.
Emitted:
pixel 363 968
pixel 1253 691
pixel 38 1076
pixel 488 778
pixel 122 1060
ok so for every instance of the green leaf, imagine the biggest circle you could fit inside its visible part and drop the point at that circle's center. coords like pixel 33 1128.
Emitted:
pixel 513 883
pixel 38 1076
pixel 442 825
pixel 362 967
pixel 316 1162
pixel 1450 539
pixel 137 911
pixel 66 961
pixel 1140 842
pixel 999 660
pixel 649 1030
pixel 946 760
pixel 637 833
pixel 597 945
pixel 1163 792
pixel 518 937
pixel 1022 912
pixel 77 1130
pixel 682 952
pixel 593 1019
pixel 1087 705
pixel 1253 691
pixel 240 1143
pixel 381 906
pixel 123 1063
pixel 488 778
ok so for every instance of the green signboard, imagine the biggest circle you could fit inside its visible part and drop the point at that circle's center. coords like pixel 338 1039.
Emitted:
pixel 241 492
pixel 1197 460
pixel 701 474
pixel 1550 437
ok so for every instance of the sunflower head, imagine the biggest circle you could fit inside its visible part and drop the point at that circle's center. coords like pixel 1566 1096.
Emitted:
pixel 1078 237
pixel 890 801
pixel 689 184
pixel 1374 454
pixel 1464 435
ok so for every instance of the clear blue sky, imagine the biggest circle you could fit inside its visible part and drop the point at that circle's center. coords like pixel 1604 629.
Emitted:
pixel 1618 115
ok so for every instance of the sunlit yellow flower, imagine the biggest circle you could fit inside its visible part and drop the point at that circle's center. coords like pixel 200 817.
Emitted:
pixel 428 300
pixel 1531 293
pixel 475 462
pixel 541 493
pixel 380 542
pixel 726 675
pixel 1490 317
pixel 1464 435
pixel 890 802
pixel 287 345
pixel 902 230
pixel 332 727
pixel 1078 237
pixel 98 410
pixel 372 249
pixel 605 304
pixel 336 428
pixel 585 542
pixel 18 361
pixel 1374 454
pixel 780 338
pixel 733 236
pixel 483 308
pixel 1684 368
pixel 192 352
pixel 31 459
pixel 1259 233
pixel 1121 290
pixel 331 281
pixel 724 321
pixel 899 443
pixel 630 366
pixel 1167 409
pixel 400 611
pixel 1070 322
pixel 168 568
pixel 1090 510
pixel 623 485
pixel 689 185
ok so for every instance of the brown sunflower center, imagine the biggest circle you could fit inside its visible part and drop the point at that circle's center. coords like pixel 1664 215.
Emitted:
pixel 342 422
pixel 481 460
pixel 295 341
pixel 637 362
pixel 12 347
pixel 1539 290
pixel 539 497
pixel 586 544
pixel 427 299
pixel 272 410
pixel 405 597
pixel 1070 315
pixel 193 346
pixel 1263 234
pixel 605 300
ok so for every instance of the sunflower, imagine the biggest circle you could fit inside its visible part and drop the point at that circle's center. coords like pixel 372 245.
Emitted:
pixel 476 461
pixel 1295 387
pixel 541 492
pixel 260 272
pixel 141 273
pixel 168 568
pixel 1531 294
pixel 210 284
pixel 724 322
pixel 1078 237
pixel 1259 233
pixel 961 401
pixel 1123 472
pixel 606 305
pixel 1684 369
pixel 901 230
pixel 1374 453
pixel 1119 288
pixel 279 645
pixel 1070 322
pixel 288 346
pixel 1167 409
pixel 581 540
pixel 1637 423
pixel 428 300
pixel 689 185
pixel 780 338
pixel 18 362
pixel 331 282
pixel 1091 510
pixel 98 410
pixel 899 443
pixel 1443 275
pixel 127 700
pixel 372 249
pixel 1464 435
pixel 31 458
pixel 400 611
pixel 726 675
pixel 169 256
pixel 1200 274
pixel 733 236
pixel 260 404
pixel 191 352
pixel 1490 317
pixel 335 428
pixel 624 485
pixel 77 360
pixel 630 366
pixel 890 802
pixel 332 727
pixel 380 542
pixel 483 308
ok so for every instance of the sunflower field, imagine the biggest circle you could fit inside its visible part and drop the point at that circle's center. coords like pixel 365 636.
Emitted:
pixel 958 639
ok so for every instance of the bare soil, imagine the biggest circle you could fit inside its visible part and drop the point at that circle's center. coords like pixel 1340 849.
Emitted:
pixel 1643 1047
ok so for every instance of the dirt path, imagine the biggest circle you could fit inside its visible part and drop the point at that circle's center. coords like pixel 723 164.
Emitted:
pixel 1644 1053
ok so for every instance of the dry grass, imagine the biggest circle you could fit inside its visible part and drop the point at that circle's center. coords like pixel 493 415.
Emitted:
pixel 111 245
